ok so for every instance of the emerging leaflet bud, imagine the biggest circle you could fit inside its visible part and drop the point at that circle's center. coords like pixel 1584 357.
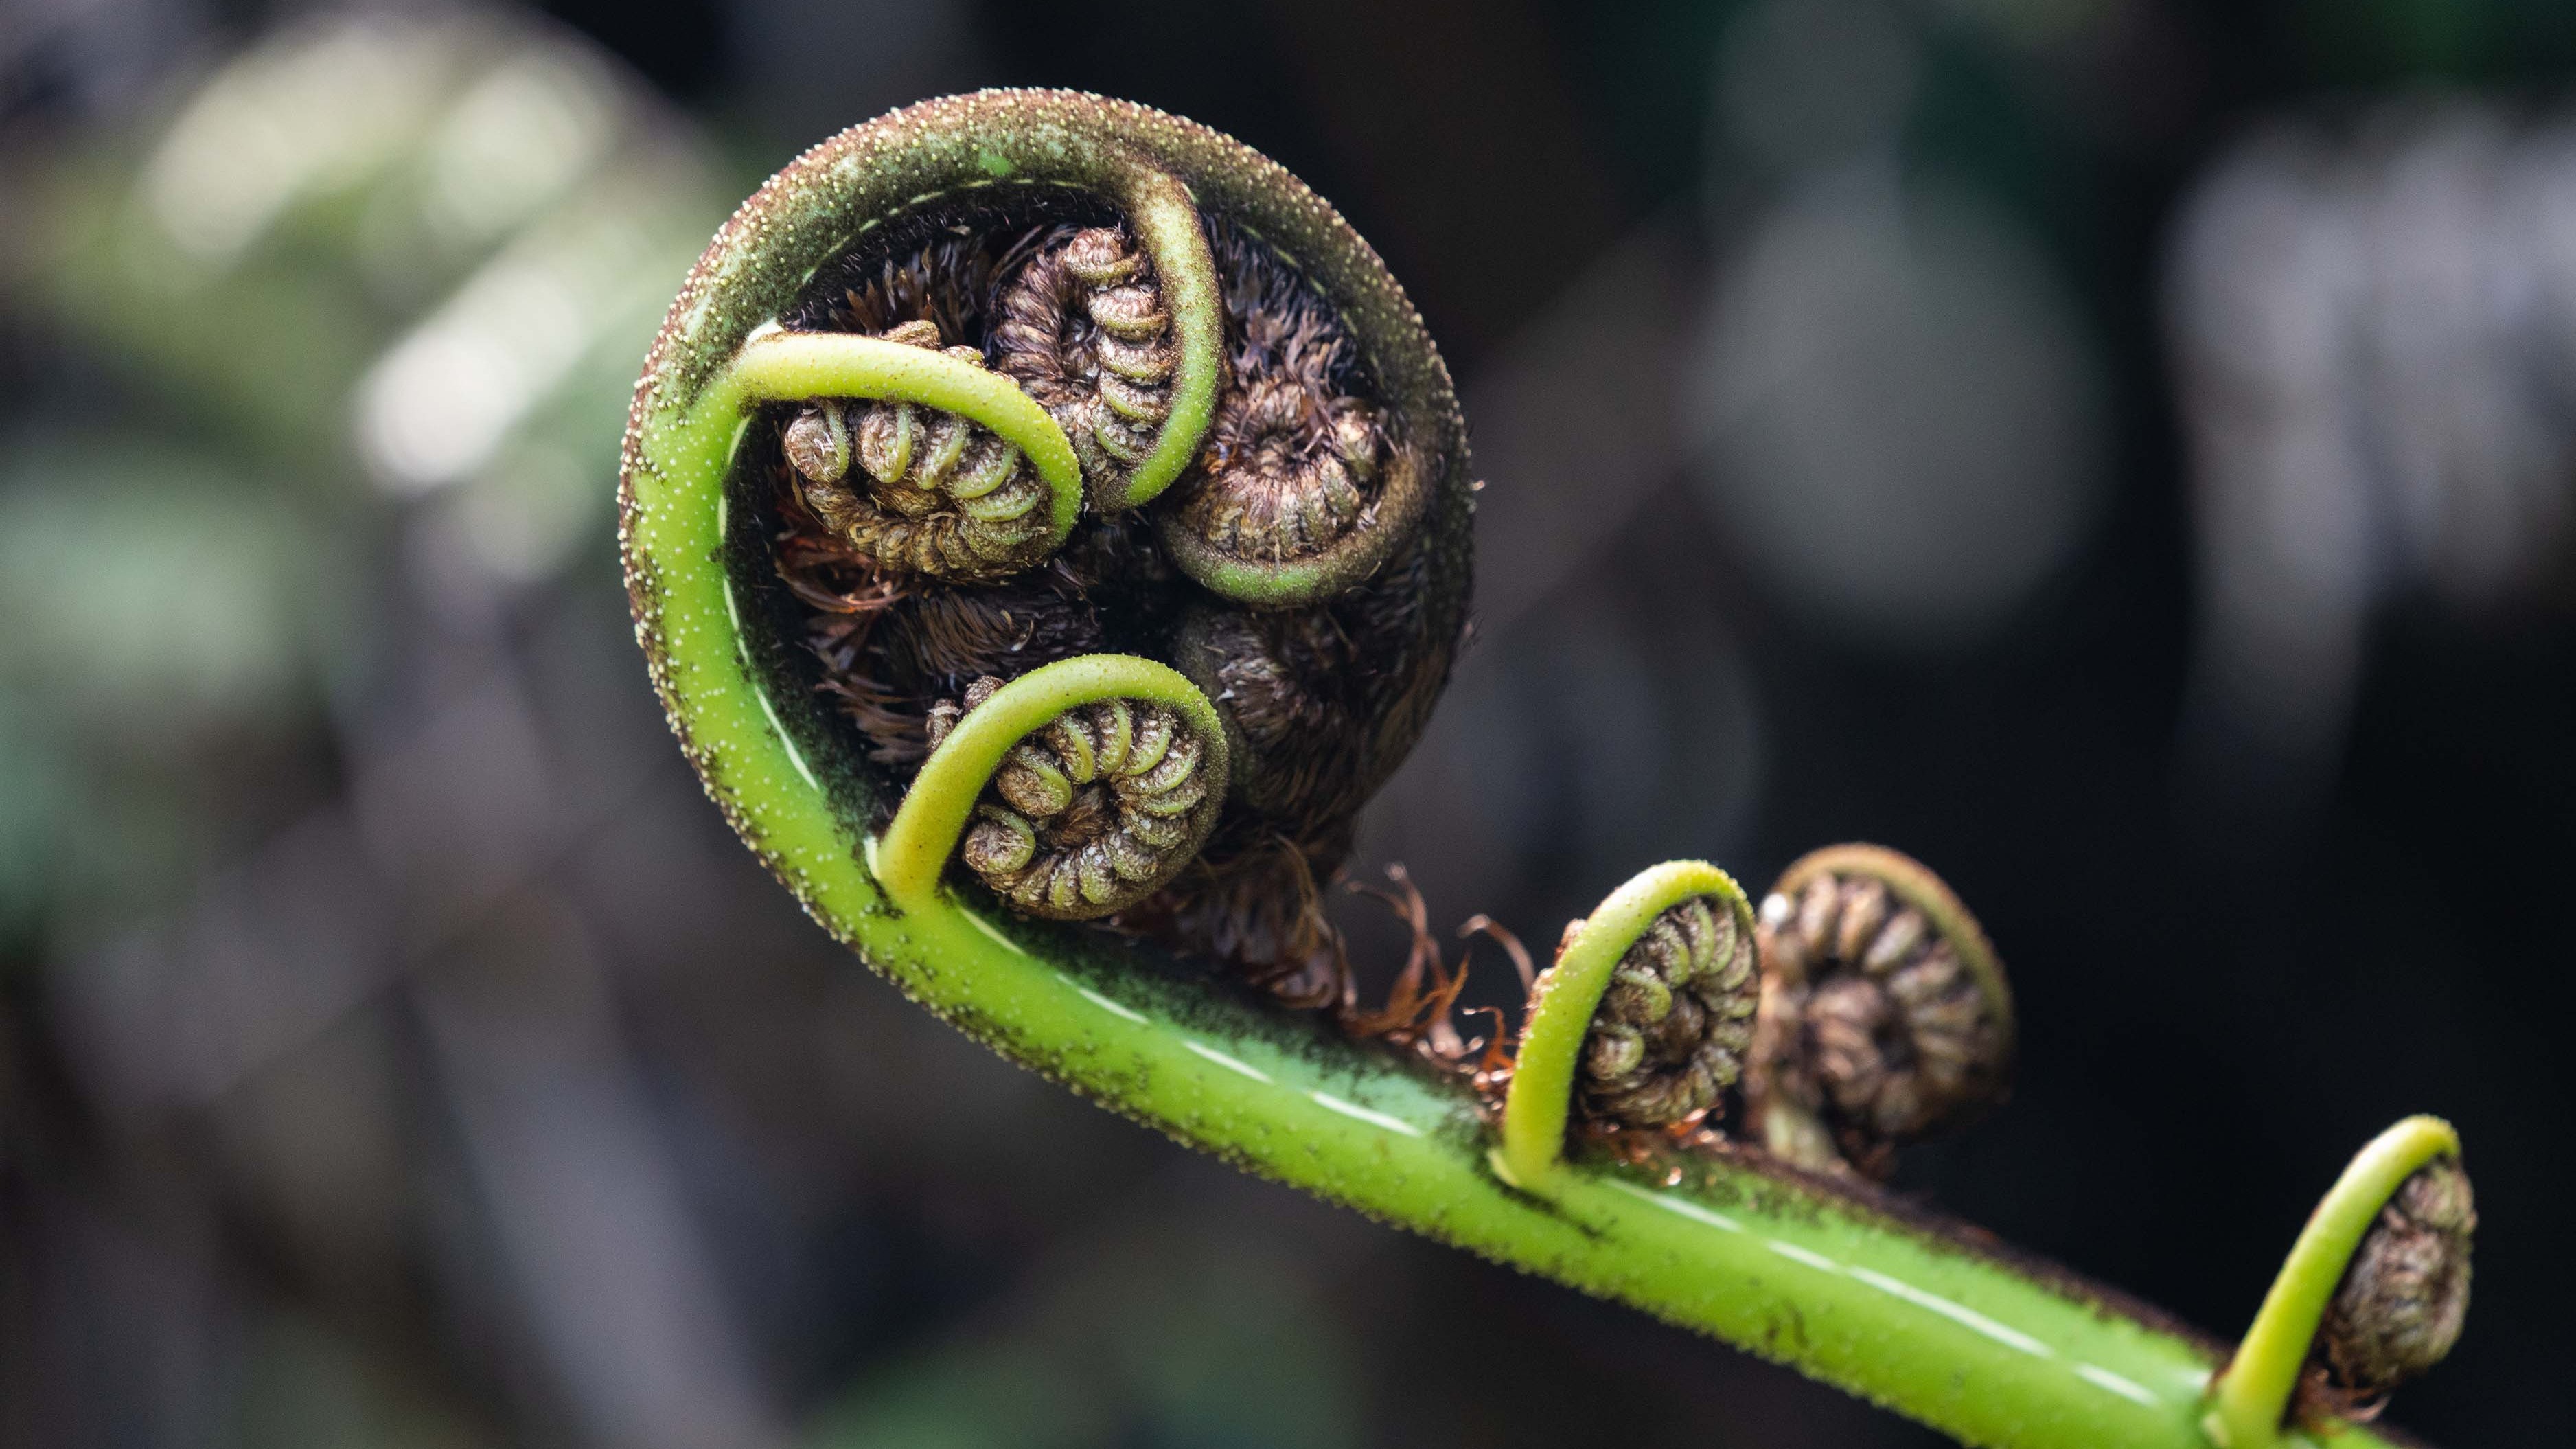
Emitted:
pixel 1090 813
pixel 1673 1025
pixel 2405 1295
pixel 942 496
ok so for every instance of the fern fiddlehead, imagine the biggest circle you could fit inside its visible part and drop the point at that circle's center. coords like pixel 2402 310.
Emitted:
pixel 2373 1293
pixel 938 494
pixel 1202 559
pixel 1885 1013
pixel 1091 783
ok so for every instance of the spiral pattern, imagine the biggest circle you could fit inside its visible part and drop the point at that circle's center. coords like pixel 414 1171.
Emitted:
pixel 1129 288
pixel 1090 813
pixel 1084 329
pixel 1284 472
pixel 1673 1025
pixel 1296 456
pixel 1870 1017
pixel 942 496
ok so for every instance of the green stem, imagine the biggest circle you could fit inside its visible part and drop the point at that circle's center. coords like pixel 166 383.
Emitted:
pixel 2250 1398
pixel 915 849
pixel 1560 1014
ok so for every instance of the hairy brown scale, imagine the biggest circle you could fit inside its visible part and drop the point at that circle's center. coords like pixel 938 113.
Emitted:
pixel 1323 702
pixel 1674 1023
pixel 890 653
pixel 931 492
pixel 1276 677
pixel 1871 1019
pixel 1292 460
pixel 1256 899
pixel 1087 813
pixel 1083 328
pixel 2405 1294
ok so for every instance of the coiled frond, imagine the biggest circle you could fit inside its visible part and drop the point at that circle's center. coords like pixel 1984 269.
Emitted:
pixel 1303 486
pixel 937 494
pixel 2374 1292
pixel 1884 1013
pixel 1674 1025
pixel 1088 814
pixel 976 374
pixel 1640 1023
pixel 1084 328
pixel 1073 791
pixel 2405 1297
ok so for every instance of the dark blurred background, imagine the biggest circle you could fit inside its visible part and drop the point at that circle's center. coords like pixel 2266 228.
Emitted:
pixel 2119 451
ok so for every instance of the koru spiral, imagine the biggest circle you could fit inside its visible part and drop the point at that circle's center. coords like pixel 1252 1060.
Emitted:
pixel 1885 1015
pixel 1030 377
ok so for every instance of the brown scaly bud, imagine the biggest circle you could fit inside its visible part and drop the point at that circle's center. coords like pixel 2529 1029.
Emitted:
pixel 2405 1294
pixel 1284 473
pixel 1089 814
pixel 938 495
pixel 1303 486
pixel 1672 1028
pixel 1083 328
pixel 1885 1016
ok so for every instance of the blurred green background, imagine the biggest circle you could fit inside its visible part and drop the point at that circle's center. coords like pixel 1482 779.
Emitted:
pixel 2120 451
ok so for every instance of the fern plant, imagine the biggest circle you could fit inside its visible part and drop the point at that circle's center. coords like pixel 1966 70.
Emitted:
pixel 1047 523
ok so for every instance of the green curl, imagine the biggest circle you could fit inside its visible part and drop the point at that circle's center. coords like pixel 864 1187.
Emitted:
pixel 776 366
pixel 1542 1090
pixel 916 847
pixel 1167 227
pixel 2248 1400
